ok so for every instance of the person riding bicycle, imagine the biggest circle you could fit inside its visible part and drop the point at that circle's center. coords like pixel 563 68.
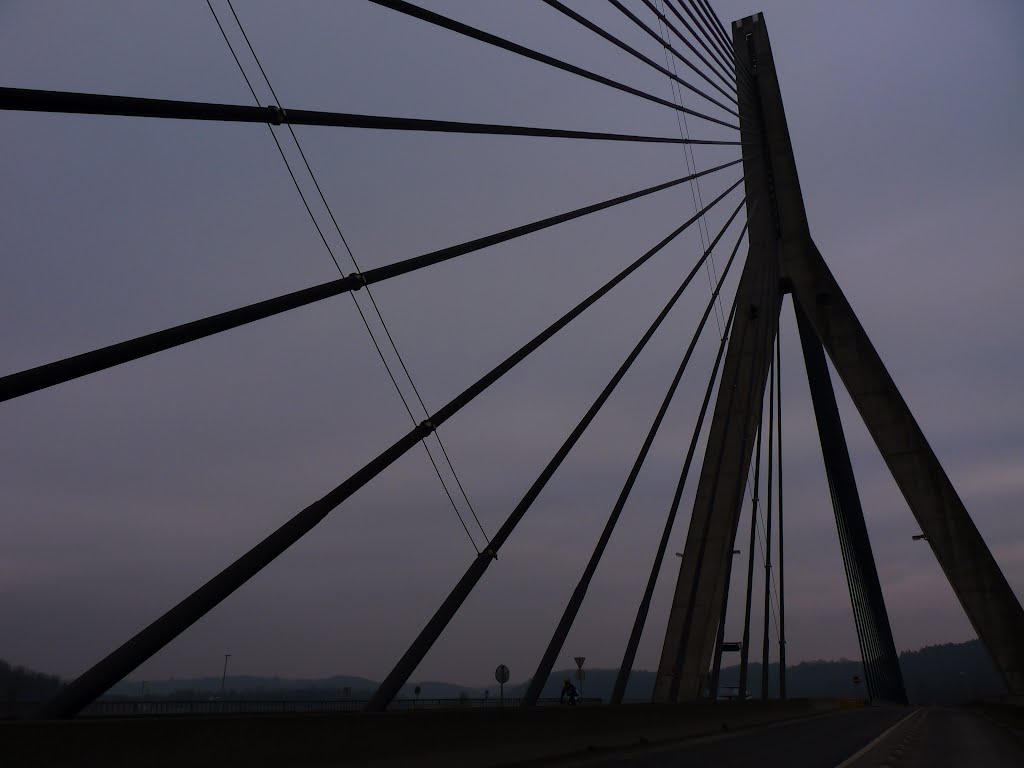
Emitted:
pixel 569 693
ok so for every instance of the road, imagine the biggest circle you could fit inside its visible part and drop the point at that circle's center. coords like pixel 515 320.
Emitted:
pixel 924 738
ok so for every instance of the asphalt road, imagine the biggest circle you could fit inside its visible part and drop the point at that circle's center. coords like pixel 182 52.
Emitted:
pixel 936 738
pixel 819 742
pixel 929 738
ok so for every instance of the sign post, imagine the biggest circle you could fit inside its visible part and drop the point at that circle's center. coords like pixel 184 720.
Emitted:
pixel 579 672
pixel 501 674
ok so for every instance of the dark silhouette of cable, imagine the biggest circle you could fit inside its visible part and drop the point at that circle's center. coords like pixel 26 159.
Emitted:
pixel 645 603
pixel 768 533
pixel 557 641
pixel 409 9
pixel 69 102
pixel 718 37
pixel 650 32
pixel 99 678
pixel 330 250
pixel 50 374
pixel 740 79
pixel 708 40
pixel 373 302
pixel 721 70
pixel 782 573
pixel 747 603
pixel 580 19
pixel 441 618
pixel 691 162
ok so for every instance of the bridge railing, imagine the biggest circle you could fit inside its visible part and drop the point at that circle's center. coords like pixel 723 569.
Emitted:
pixel 162 707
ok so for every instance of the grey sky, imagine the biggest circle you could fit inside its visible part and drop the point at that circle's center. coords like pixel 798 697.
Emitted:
pixel 125 490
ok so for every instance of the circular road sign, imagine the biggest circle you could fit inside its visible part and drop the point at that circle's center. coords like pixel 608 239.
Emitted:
pixel 501 674
pixel 856 679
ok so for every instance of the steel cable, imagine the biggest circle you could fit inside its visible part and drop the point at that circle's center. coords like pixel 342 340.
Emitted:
pixel 579 18
pixel 415 11
pixel 576 600
pixel 99 678
pixel 441 618
pixel 24 382
pixel 369 294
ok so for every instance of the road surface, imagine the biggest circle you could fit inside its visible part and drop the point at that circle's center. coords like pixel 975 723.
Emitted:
pixel 874 737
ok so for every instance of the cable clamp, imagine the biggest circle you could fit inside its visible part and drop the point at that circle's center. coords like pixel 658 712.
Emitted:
pixel 490 553
pixel 428 425
pixel 277 115
pixel 360 279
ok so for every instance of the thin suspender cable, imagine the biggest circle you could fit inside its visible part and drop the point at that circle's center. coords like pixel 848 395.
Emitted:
pixel 725 53
pixel 433 629
pixel 764 281
pixel 782 573
pixel 579 18
pixel 707 38
pixel 745 644
pixel 557 641
pixel 645 603
pixel 373 302
pixel 715 23
pixel 721 69
pixel 761 550
pixel 99 678
pixel 688 616
pixel 713 34
pixel 665 20
pixel 49 374
pixel 691 161
pixel 646 28
pixel 740 79
pixel 70 102
pixel 725 37
pixel 330 250
pixel 458 27
pixel 716 664
pixel 768 535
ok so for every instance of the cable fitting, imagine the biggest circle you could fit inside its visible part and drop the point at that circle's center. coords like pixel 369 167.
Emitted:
pixel 277 115
pixel 360 279
pixel 428 425
pixel 490 553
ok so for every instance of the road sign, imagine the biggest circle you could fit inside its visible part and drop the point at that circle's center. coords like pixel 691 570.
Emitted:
pixel 501 674
pixel 856 679
pixel 579 661
pixel 732 647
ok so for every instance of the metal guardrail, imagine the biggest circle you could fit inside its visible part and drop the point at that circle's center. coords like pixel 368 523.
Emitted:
pixel 163 707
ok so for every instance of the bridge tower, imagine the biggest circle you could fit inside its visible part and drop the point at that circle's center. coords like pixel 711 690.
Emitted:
pixel 784 259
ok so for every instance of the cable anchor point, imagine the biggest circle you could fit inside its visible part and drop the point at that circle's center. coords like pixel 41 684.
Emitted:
pixel 277 114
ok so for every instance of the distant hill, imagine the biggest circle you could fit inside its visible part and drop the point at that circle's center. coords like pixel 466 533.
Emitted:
pixel 20 684
pixel 938 674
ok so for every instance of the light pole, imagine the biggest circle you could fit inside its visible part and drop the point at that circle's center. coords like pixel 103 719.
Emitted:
pixel 224 674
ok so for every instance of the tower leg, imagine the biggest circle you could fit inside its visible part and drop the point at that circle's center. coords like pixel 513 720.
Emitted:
pixel 887 681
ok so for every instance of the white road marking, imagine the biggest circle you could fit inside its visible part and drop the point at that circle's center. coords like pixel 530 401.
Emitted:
pixel 860 753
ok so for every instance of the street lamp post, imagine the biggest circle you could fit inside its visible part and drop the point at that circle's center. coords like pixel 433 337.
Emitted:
pixel 224 674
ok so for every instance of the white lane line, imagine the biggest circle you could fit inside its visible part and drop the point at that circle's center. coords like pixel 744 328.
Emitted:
pixel 857 755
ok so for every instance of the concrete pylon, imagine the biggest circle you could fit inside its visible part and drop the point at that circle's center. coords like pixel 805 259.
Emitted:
pixel 780 244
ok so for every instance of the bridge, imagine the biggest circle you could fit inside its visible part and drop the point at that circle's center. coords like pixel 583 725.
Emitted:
pixel 763 269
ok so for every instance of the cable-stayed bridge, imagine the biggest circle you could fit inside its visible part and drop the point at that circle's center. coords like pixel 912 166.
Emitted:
pixel 758 258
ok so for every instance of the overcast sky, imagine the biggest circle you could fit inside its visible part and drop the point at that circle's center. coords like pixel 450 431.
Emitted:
pixel 124 491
